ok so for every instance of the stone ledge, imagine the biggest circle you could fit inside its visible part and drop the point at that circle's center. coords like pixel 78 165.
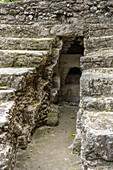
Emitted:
pixel 4 109
pixel 97 137
pixel 97 30
pixel 96 43
pixel 26 44
pixel 97 82
pixel 16 78
pixel 8 94
pixel 97 104
pixel 100 59
pixel 23 58
pixel 16 71
pixel 100 122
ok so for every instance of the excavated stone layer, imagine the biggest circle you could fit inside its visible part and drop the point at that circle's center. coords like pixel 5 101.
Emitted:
pixel 25 82
pixel 30 43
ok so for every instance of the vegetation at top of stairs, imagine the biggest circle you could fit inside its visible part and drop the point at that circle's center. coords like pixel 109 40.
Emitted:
pixel 9 0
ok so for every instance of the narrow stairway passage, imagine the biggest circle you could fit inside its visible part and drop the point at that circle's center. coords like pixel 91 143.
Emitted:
pixel 49 148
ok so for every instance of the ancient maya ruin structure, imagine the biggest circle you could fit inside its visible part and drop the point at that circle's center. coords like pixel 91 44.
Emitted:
pixel 45 45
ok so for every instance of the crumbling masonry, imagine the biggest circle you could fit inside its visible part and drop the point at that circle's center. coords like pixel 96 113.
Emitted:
pixel 32 35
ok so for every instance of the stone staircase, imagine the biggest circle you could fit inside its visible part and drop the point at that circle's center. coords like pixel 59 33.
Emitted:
pixel 96 105
pixel 26 70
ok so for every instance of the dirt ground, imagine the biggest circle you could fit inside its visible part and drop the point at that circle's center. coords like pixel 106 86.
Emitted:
pixel 49 148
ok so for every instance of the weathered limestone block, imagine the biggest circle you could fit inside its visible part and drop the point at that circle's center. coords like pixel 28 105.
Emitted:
pixel 34 113
pixel 66 29
pixel 3 137
pixel 97 137
pixel 99 103
pixel 93 44
pixel 7 94
pixel 16 77
pixel 97 82
pixel 26 31
pixel 22 58
pixel 95 120
pixel 26 43
pixel 100 29
pixel 99 59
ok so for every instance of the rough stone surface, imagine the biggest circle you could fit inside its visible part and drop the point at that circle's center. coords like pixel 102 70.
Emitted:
pixel 56 12
pixel 26 44
pixel 22 58
pixel 27 87
pixel 53 116
pixel 94 123
pixel 34 90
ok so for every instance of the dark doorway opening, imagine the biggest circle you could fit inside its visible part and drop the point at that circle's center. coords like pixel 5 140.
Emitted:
pixel 73 76
pixel 70 72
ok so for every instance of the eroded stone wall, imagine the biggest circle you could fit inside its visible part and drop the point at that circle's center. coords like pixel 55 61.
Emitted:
pixel 32 19
pixel 55 17
pixel 25 87
pixel 55 11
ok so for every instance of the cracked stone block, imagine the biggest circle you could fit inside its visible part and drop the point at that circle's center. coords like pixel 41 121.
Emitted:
pixel 97 137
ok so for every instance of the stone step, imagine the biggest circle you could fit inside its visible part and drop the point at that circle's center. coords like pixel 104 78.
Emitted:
pixel 26 31
pixel 7 94
pixel 16 78
pixel 99 59
pixel 4 113
pixel 97 104
pixel 104 167
pixel 97 138
pixel 22 58
pixel 96 43
pixel 98 30
pixel 26 43
pixel 97 82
